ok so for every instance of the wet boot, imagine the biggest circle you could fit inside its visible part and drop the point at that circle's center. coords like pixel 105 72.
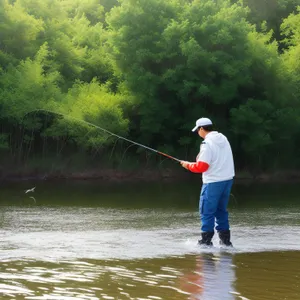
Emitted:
pixel 206 239
pixel 224 236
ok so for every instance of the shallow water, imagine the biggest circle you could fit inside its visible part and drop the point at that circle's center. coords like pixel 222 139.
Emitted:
pixel 90 241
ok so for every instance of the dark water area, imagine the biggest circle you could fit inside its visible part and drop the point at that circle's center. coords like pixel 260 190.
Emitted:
pixel 90 240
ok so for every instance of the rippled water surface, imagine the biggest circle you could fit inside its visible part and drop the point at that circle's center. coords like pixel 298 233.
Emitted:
pixel 94 241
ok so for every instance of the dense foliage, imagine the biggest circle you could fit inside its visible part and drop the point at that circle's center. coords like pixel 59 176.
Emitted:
pixel 146 70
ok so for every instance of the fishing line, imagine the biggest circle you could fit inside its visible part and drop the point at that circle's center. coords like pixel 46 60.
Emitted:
pixel 107 131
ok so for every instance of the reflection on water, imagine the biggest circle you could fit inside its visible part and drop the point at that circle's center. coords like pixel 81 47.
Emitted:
pixel 190 277
pixel 93 242
pixel 212 276
pixel 208 276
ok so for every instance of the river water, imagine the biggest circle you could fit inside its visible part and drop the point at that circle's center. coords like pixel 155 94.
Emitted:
pixel 89 240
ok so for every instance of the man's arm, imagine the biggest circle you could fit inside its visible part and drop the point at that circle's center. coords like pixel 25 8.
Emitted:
pixel 197 167
pixel 203 162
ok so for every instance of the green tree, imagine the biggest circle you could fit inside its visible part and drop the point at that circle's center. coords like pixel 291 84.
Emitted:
pixel 199 58
pixel 147 69
pixel 18 32
pixel 28 86
pixel 91 9
pixel 291 31
pixel 270 13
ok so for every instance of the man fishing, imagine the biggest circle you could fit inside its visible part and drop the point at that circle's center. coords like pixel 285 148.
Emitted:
pixel 215 162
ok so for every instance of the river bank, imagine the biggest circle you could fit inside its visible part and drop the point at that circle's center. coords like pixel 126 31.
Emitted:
pixel 136 175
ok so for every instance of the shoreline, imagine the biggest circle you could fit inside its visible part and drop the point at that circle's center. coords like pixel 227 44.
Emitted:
pixel 148 175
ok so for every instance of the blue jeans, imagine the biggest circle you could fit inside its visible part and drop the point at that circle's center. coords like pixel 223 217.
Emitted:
pixel 214 199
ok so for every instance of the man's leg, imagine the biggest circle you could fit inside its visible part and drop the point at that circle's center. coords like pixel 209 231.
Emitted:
pixel 209 199
pixel 222 221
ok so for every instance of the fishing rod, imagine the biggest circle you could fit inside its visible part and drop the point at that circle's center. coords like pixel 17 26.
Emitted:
pixel 107 131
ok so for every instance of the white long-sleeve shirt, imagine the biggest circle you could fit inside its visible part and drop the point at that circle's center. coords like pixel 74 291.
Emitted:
pixel 216 151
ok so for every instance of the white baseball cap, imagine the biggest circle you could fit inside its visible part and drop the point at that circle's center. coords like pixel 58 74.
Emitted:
pixel 202 122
